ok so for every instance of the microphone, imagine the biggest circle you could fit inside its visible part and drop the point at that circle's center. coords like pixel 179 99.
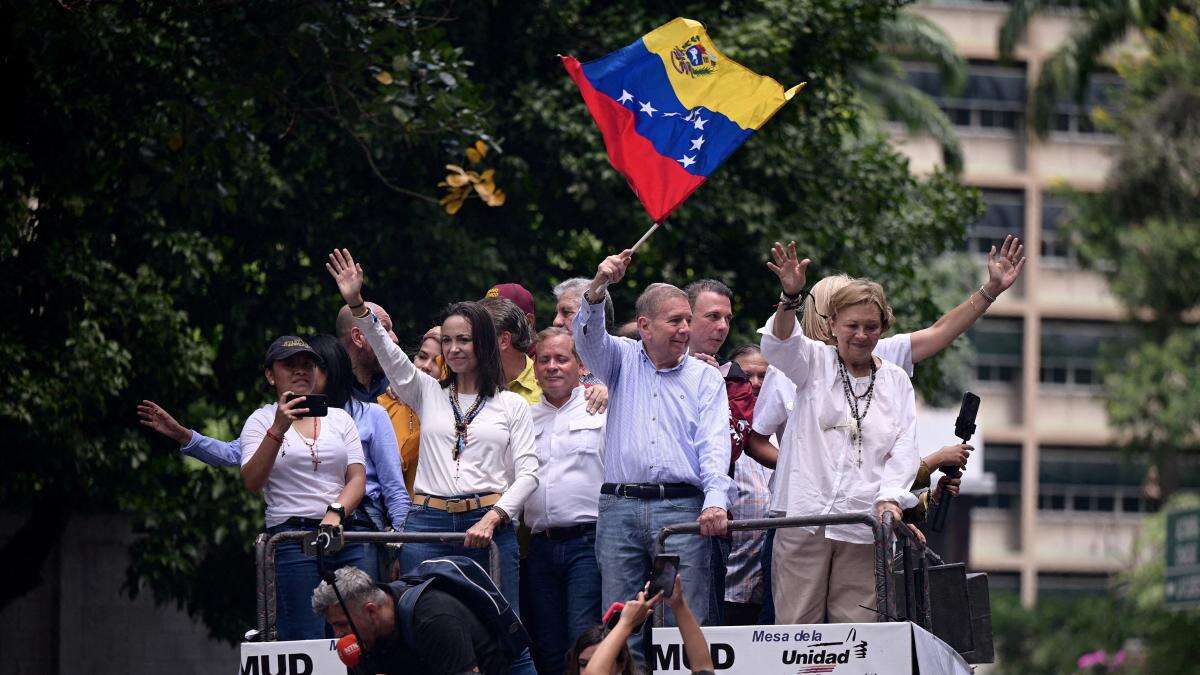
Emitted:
pixel 964 428
pixel 348 650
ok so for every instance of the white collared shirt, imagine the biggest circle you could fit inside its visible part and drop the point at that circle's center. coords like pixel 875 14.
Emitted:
pixel 570 449
pixel 777 398
pixel 822 473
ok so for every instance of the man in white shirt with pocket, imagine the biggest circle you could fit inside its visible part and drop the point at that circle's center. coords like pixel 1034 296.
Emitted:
pixel 562 512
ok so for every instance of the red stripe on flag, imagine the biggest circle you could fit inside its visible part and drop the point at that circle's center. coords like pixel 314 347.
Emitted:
pixel 659 182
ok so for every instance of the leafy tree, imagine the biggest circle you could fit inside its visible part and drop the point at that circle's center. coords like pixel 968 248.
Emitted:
pixel 1065 75
pixel 1144 228
pixel 171 175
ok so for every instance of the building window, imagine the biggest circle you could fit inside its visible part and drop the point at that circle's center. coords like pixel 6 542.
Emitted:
pixel 997 345
pixel 1071 352
pixel 1075 119
pixel 1005 215
pixel 992 100
pixel 1090 480
pixel 1054 241
pixel 1004 462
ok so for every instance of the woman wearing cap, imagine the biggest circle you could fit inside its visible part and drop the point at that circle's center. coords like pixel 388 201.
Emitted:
pixel 478 460
pixel 311 471
pixel 852 441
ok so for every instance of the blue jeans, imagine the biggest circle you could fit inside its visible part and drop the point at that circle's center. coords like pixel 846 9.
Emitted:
pixel 565 581
pixel 719 548
pixel 426 519
pixel 625 536
pixel 296 577
pixel 379 555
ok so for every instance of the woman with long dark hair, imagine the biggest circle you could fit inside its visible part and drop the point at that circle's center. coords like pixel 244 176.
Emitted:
pixel 478 461
pixel 385 500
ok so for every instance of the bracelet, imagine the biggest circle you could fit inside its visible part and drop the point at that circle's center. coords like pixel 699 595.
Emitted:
pixel 271 435
pixel 504 517
pixel 365 313
pixel 989 298
pixel 354 308
pixel 791 303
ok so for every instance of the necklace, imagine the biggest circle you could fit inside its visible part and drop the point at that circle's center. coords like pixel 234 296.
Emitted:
pixel 852 399
pixel 312 445
pixel 461 421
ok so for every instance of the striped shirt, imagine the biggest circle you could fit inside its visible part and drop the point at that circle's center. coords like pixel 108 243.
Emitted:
pixel 667 425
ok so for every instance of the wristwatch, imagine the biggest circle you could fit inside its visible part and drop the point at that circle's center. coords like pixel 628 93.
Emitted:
pixel 337 508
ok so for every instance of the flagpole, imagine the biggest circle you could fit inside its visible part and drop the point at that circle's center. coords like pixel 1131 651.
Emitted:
pixel 653 227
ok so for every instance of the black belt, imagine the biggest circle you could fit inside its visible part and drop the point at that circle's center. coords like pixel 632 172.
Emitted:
pixel 651 490
pixel 564 533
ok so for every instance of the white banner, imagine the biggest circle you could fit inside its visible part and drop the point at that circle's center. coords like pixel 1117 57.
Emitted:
pixel 839 648
pixel 299 657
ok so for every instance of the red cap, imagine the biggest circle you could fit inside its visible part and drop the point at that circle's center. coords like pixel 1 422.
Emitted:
pixel 348 650
pixel 515 292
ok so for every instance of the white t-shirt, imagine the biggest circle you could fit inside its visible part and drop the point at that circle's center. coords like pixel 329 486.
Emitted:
pixel 500 456
pixel 293 487
pixel 777 398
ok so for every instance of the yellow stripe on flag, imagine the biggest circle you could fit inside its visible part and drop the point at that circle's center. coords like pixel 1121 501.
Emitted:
pixel 716 82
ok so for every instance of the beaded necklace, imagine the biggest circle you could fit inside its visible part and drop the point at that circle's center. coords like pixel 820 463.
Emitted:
pixel 461 421
pixel 852 399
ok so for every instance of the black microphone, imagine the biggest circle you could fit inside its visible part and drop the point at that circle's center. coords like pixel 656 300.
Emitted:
pixel 964 428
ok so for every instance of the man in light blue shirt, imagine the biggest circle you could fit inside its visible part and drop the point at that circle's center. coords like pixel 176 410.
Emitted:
pixel 667 441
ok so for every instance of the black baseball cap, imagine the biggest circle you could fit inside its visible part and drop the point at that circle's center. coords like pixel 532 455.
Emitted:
pixel 289 345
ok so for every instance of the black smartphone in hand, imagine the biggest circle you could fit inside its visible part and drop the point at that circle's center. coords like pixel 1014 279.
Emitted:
pixel 317 404
pixel 662 578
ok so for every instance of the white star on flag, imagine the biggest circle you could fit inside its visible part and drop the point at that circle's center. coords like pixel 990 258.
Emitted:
pixel 648 109
pixel 686 161
pixel 697 142
pixel 670 114
pixel 625 96
pixel 699 123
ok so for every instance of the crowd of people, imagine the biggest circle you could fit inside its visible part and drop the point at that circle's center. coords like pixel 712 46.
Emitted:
pixel 569 448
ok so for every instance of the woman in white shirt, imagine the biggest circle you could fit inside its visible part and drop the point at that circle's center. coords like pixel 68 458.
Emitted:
pixel 852 441
pixel 312 473
pixel 478 459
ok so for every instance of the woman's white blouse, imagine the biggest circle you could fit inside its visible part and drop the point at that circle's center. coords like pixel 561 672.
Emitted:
pixel 500 455
pixel 823 475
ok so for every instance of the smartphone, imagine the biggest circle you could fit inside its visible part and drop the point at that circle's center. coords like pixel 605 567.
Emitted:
pixel 666 567
pixel 613 615
pixel 317 404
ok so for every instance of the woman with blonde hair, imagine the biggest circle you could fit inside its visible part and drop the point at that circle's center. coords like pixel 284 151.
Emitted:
pixel 852 441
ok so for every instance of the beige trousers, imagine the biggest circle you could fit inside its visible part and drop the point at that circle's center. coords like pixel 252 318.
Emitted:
pixel 813 577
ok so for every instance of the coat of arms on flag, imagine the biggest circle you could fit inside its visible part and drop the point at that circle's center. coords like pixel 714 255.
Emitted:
pixel 671 108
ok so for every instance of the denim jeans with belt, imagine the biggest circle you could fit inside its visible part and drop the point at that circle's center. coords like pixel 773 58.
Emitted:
pixel 296 578
pixel 565 581
pixel 625 535
pixel 423 518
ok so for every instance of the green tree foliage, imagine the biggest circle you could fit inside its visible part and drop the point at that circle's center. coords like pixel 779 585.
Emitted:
pixel 1144 227
pixel 1049 638
pixel 1065 74
pixel 172 174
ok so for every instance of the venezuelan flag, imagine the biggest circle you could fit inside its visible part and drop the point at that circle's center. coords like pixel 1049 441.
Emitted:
pixel 671 108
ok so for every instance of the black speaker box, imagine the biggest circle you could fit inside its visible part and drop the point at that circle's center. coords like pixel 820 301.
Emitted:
pixel 960 610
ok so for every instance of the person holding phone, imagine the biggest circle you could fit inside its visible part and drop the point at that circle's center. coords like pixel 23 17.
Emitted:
pixel 611 655
pixel 478 460
pixel 312 473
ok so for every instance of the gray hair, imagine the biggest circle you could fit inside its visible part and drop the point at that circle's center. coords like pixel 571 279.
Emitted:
pixel 356 587
pixel 651 299
pixel 699 286
pixel 508 317
pixel 577 286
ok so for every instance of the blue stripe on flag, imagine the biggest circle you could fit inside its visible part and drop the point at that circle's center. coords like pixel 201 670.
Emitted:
pixel 635 70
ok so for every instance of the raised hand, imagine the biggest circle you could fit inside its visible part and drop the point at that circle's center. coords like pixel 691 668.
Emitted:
pixel 348 275
pixel 1004 267
pixel 612 269
pixel 288 412
pixel 788 268
pixel 153 416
